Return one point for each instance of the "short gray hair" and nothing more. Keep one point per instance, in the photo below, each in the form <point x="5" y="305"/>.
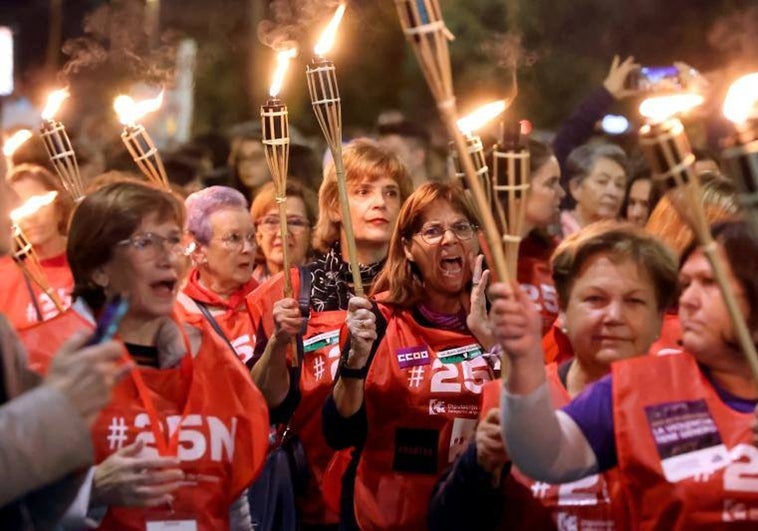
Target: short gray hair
<point x="200" y="205"/>
<point x="582" y="159"/>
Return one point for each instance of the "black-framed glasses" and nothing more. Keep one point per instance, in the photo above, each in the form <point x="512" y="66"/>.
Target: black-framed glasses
<point x="149" y="245"/>
<point x="294" y="223"/>
<point x="434" y="232"/>
<point x="234" y="241"/>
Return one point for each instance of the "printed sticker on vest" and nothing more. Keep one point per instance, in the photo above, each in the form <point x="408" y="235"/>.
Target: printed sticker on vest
<point x="416" y="450"/>
<point x="332" y="337"/>
<point x="459" y="354"/>
<point x="413" y="356"/>
<point x="687" y="439"/>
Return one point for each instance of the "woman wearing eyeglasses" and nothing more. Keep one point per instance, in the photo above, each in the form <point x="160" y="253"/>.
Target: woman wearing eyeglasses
<point x="223" y="254"/>
<point x="407" y="391"/>
<point x="186" y="432"/>
<point x="302" y="211"/>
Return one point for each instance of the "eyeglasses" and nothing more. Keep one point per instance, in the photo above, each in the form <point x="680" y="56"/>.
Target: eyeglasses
<point x="294" y="223"/>
<point x="149" y="245"/>
<point x="433" y="234"/>
<point x="235" y="241"/>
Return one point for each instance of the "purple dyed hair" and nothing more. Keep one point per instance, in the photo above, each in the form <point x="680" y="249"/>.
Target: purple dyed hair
<point x="200" y="205"/>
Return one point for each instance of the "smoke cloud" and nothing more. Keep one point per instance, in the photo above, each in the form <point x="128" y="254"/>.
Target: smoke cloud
<point x="294" y="20"/>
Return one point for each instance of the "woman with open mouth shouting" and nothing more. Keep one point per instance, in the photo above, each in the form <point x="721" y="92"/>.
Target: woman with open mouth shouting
<point x="171" y="445"/>
<point x="407" y="392"/>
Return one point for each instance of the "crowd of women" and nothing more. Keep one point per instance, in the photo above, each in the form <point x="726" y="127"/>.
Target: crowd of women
<point x="228" y="402"/>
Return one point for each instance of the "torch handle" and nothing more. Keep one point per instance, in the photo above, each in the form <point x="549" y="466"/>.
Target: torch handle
<point x="284" y="232"/>
<point x="485" y="213"/>
<point x="347" y="222"/>
<point x="738" y="320"/>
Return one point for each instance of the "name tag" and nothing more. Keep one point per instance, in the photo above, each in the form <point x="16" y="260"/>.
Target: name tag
<point x="172" y="525"/>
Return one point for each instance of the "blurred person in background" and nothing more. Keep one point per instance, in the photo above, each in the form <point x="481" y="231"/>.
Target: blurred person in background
<point x="247" y="160"/>
<point x="24" y="303"/>
<point x="410" y="143"/>
<point x="302" y="213"/>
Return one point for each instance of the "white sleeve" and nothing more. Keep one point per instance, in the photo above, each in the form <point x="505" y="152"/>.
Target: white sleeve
<point x="79" y="515"/>
<point x="545" y="444"/>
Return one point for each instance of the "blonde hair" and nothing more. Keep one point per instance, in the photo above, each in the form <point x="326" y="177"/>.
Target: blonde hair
<point x="399" y="277"/>
<point x="364" y="160"/>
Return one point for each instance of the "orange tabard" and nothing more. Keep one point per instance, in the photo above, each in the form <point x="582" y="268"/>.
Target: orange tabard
<point x="536" y="279"/>
<point x="318" y="367"/>
<point x="422" y="402"/>
<point x="592" y="503"/>
<point x="15" y="300"/>
<point x="686" y="459"/>
<point x="43" y="340"/>
<point x="223" y="438"/>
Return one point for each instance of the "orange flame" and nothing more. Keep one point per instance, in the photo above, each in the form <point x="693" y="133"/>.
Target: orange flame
<point x="32" y="205"/>
<point x="15" y="141"/>
<point x="130" y="111"/>
<point x="481" y="116"/>
<point x="741" y="99"/>
<point x="54" y="101"/>
<point x="326" y="41"/>
<point x="660" y="108"/>
<point x="282" y="62"/>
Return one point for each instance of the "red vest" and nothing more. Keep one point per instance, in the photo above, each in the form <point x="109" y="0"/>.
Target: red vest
<point x="592" y="503"/>
<point x="422" y="402"/>
<point x="16" y="301"/>
<point x="223" y="438"/>
<point x="686" y="459"/>
<point x="536" y="278"/>
<point x="319" y="365"/>
<point x="43" y="340"/>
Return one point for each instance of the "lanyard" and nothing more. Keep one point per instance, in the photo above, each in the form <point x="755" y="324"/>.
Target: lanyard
<point x="168" y="445"/>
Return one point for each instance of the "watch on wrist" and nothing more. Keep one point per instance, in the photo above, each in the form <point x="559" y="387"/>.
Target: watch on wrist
<point x="347" y="372"/>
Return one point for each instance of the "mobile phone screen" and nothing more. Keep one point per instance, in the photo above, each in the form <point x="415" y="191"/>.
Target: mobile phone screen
<point x="107" y="323"/>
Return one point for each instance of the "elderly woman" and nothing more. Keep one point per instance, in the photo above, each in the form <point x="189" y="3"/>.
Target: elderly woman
<point x="20" y="300"/>
<point x="597" y="182"/>
<point x="302" y="212"/>
<point x="406" y="396"/>
<point x="613" y="281"/>
<point x="678" y="427"/>
<point x="377" y="185"/>
<point x="171" y="444"/>
<point x="223" y="254"/>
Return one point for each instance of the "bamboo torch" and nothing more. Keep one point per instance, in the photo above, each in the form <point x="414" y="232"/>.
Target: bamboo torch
<point x="137" y="140"/>
<point x="276" y="142"/>
<point x="12" y="143"/>
<point x="325" y="99"/>
<point x="667" y="149"/>
<point x="58" y="146"/>
<point x="425" y="30"/>
<point x="741" y="153"/>
<point x="510" y="187"/>
<point x="24" y="254"/>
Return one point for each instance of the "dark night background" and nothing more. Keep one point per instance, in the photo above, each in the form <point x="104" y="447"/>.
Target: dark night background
<point x="571" y="43"/>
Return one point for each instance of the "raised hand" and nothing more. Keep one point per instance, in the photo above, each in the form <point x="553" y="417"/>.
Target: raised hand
<point x="361" y="323"/>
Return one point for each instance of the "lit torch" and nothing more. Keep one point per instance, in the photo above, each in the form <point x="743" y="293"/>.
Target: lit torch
<point x="58" y="146"/>
<point x="12" y="143"/>
<point x="741" y="155"/>
<point x="668" y="152"/>
<point x="511" y="185"/>
<point x="137" y="140"/>
<point x="427" y="34"/>
<point x="24" y="254"/>
<point x="276" y="142"/>
<point x="325" y="99"/>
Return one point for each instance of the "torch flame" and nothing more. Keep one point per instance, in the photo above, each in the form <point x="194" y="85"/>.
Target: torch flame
<point x="32" y="205"/>
<point x="661" y="108"/>
<point x="15" y="141"/>
<point x="282" y="62"/>
<point x="481" y="116"/>
<point x="741" y="99"/>
<point x="130" y="111"/>
<point x="54" y="101"/>
<point x="326" y="41"/>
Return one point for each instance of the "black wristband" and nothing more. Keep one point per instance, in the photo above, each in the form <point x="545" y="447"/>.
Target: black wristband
<point x="347" y="372"/>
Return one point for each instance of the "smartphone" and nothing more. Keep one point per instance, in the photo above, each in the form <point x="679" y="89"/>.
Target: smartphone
<point x="655" y="79"/>
<point x="110" y="318"/>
